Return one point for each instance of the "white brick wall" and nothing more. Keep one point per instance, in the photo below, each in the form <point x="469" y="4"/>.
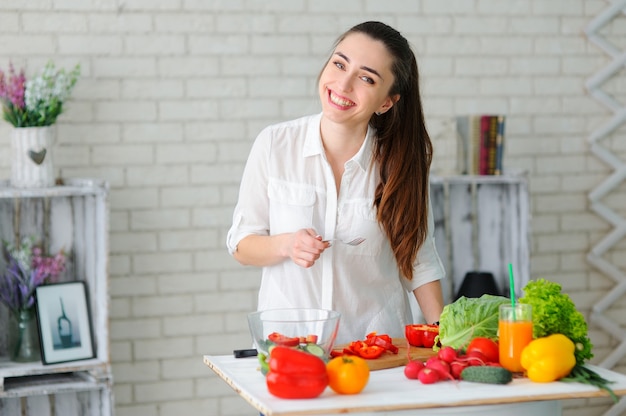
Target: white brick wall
<point x="173" y="93"/>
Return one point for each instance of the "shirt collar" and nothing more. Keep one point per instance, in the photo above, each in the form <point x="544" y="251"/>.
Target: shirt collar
<point x="313" y="143"/>
<point x="313" y="140"/>
<point x="365" y="153"/>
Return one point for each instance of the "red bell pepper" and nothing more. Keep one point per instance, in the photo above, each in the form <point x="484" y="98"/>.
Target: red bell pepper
<point x="421" y="335"/>
<point x="295" y="374"/>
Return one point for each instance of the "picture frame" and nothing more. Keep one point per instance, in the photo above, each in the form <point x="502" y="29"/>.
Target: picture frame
<point x="64" y="321"/>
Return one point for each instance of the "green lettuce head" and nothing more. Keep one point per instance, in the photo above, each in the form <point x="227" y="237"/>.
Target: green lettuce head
<point x="468" y="318"/>
<point x="554" y="312"/>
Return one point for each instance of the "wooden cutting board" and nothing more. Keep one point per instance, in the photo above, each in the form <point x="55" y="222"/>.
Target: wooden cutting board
<point x="389" y="360"/>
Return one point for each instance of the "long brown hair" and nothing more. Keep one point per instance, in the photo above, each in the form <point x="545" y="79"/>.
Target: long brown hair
<point x="403" y="151"/>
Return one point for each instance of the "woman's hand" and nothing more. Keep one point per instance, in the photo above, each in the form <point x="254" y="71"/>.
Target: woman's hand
<point x="305" y="246"/>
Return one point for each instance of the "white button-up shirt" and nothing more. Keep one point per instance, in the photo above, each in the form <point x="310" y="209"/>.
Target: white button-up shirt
<point x="288" y="185"/>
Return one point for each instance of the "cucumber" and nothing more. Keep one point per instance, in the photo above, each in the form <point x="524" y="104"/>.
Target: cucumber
<point x="314" y="349"/>
<point x="487" y="374"/>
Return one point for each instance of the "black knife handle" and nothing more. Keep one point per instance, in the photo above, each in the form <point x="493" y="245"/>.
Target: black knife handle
<point x="245" y="353"/>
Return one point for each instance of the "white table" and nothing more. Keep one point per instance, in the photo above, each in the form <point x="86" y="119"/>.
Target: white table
<point x="389" y="391"/>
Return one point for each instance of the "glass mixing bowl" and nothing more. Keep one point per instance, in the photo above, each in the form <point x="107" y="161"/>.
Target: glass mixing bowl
<point x="314" y="330"/>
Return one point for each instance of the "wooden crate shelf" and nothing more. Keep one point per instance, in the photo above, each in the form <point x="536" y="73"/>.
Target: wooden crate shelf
<point x="73" y="217"/>
<point x="482" y="224"/>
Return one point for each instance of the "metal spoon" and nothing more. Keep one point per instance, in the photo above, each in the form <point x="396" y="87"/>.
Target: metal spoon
<point x="354" y="242"/>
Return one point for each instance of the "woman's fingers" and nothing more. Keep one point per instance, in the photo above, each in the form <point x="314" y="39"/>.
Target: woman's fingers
<point x="307" y="247"/>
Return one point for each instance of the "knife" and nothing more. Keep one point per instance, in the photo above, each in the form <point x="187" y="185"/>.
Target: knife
<point x="245" y="353"/>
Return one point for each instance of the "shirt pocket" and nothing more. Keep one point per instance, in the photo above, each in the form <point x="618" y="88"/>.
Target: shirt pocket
<point x="365" y="224"/>
<point x="291" y="207"/>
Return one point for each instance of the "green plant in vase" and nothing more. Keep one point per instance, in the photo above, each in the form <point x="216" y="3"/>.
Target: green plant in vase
<point x="32" y="106"/>
<point x="27" y="267"/>
<point x="39" y="101"/>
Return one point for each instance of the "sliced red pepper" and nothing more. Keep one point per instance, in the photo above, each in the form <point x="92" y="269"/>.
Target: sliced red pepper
<point x="371" y="352"/>
<point x="348" y="351"/>
<point x="280" y="339"/>
<point x="384" y="337"/>
<point x="337" y="353"/>
<point x="364" y="348"/>
<point x="355" y="346"/>
<point x="383" y="341"/>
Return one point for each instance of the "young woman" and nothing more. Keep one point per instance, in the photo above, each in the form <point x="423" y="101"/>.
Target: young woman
<point x="358" y="169"/>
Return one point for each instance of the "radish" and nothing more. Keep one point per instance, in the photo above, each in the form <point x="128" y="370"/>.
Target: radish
<point x="412" y="369"/>
<point x="456" y="367"/>
<point x="476" y="358"/>
<point x="447" y="354"/>
<point x="494" y="364"/>
<point x="433" y="359"/>
<point x="442" y="367"/>
<point x="428" y="376"/>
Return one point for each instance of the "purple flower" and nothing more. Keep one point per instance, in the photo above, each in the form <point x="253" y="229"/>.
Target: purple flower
<point x="13" y="88"/>
<point x="27" y="268"/>
<point x="3" y="85"/>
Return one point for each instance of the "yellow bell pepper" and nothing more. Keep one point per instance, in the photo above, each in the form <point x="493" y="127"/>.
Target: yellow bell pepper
<point x="549" y="358"/>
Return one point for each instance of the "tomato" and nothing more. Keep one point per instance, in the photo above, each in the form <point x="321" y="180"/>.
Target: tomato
<point x="421" y="335"/>
<point x="285" y="341"/>
<point x="487" y="347"/>
<point x="347" y="374"/>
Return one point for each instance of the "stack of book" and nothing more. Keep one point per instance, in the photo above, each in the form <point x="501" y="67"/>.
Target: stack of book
<point x="482" y="142"/>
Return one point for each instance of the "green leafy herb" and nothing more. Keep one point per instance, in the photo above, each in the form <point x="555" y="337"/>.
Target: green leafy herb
<point x="582" y="374"/>
<point x="555" y="313"/>
<point x="467" y="318"/>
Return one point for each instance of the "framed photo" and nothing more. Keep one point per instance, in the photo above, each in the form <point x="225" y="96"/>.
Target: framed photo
<point x="65" y="332"/>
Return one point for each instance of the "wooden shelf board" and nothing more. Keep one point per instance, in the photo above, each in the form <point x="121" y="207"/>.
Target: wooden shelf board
<point x="51" y="384"/>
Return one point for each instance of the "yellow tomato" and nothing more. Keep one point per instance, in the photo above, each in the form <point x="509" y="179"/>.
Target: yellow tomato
<point x="347" y="374"/>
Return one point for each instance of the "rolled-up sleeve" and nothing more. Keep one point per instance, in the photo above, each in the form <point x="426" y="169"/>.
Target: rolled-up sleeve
<point x="251" y="214"/>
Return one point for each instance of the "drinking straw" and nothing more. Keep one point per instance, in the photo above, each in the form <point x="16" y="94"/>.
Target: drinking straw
<point x="512" y="288"/>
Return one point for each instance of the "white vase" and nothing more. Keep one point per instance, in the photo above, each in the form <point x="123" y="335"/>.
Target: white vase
<point x="31" y="160"/>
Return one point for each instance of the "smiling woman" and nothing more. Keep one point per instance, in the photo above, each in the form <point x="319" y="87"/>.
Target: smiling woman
<point x="358" y="168"/>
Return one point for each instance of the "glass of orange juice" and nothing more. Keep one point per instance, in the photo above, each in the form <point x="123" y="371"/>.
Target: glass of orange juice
<point x="515" y="329"/>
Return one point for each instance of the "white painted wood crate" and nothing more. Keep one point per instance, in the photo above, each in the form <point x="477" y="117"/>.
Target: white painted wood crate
<point x="73" y="217"/>
<point x="482" y="224"/>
